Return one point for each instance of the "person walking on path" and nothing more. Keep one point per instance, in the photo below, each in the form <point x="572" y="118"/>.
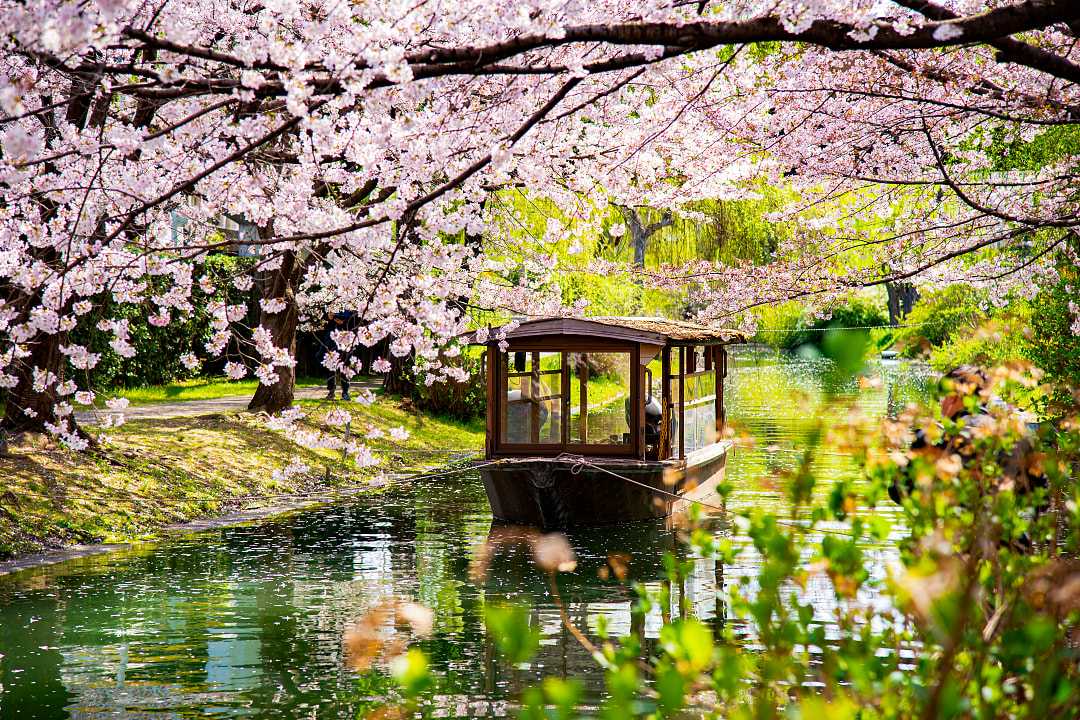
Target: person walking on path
<point x="345" y="320"/>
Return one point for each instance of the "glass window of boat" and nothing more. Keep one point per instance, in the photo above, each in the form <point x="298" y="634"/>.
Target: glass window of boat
<point x="674" y="383"/>
<point x="532" y="413"/>
<point x="599" y="387"/>
<point x="699" y="409"/>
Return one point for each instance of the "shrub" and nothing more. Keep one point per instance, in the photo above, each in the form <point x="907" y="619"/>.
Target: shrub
<point x="977" y="618"/>
<point x="158" y="349"/>
<point x="778" y="324"/>
<point x="996" y="342"/>
<point x="952" y="330"/>
<point x="938" y="317"/>
<point x="787" y="326"/>
<point x="1051" y="343"/>
<point x="459" y="400"/>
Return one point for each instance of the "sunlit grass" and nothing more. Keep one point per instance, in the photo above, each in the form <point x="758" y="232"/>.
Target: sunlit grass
<point x="195" y="389"/>
<point x="151" y="473"/>
<point x="147" y="474"/>
<point x="427" y="433"/>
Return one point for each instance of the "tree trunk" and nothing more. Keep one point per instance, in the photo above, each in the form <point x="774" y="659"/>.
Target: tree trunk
<point x="902" y="298"/>
<point x="282" y="326"/>
<point x="400" y="380"/>
<point x="25" y="409"/>
<point x="638" y="236"/>
<point x="640" y="233"/>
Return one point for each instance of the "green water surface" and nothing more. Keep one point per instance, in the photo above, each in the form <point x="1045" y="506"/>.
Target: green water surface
<point x="249" y="621"/>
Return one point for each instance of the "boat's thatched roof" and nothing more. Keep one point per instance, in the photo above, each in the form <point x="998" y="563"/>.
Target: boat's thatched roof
<point x="678" y="330"/>
<point x="651" y="330"/>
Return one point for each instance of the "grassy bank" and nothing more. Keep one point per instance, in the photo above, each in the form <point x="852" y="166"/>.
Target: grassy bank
<point x="210" y="388"/>
<point x="153" y="473"/>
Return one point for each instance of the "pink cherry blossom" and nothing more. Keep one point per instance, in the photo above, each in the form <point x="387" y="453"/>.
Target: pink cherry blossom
<point x="369" y="156"/>
<point x="235" y="370"/>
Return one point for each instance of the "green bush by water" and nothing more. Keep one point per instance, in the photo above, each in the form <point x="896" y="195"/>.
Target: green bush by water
<point x="158" y="349"/>
<point x="789" y="325"/>
<point x="950" y="328"/>
<point x="938" y="317"/>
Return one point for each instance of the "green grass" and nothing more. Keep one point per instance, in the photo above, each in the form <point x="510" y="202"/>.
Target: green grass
<point x="155" y="472"/>
<point x="196" y="389"/>
<point x="427" y="433"/>
<point x="150" y="473"/>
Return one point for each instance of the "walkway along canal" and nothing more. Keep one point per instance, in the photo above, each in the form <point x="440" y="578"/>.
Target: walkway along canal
<point x="248" y="621"/>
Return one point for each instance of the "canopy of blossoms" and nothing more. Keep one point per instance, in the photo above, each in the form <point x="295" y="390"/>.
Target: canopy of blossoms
<point x="362" y="139"/>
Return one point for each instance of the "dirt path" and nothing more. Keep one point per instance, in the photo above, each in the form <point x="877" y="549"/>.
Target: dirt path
<point x="189" y="408"/>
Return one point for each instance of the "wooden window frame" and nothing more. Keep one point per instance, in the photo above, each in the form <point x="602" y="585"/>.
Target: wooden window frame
<point x="712" y="365"/>
<point x="499" y="380"/>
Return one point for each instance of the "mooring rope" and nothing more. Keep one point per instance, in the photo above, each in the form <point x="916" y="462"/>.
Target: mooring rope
<point x="580" y="462"/>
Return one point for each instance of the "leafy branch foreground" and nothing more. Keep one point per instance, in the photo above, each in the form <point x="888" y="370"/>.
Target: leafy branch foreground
<point x="978" y="620"/>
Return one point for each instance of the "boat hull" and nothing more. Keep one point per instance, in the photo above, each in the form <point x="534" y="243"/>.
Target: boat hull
<point x="565" y="493"/>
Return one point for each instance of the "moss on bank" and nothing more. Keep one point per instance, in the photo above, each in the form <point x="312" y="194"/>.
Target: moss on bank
<point x="153" y="473"/>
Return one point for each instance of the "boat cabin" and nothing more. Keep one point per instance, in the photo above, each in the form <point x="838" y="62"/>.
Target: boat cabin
<point x="619" y="387"/>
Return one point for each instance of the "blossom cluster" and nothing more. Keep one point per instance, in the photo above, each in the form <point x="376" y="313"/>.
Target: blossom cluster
<point x="368" y="143"/>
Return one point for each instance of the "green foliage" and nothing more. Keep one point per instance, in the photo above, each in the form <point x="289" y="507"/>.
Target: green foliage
<point x="1050" y="342"/>
<point x="727" y="231"/>
<point x="1051" y="145"/>
<point x="951" y="329"/>
<point x="534" y="233"/>
<point x="938" y="317"/>
<point x="995" y="342"/>
<point x="158" y="349"/>
<point x="560" y="694"/>
<point x="412" y="672"/>
<point x="847" y="348"/>
<point x="978" y="620"/>
<point x="615" y="295"/>
<point x="458" y="400"/>
<point x="791" y="325"/>
<point x="779" y="324"/>
<point x="517" y="640"/>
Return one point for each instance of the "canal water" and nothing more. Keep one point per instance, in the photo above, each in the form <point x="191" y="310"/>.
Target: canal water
<point x="249" y="621"/>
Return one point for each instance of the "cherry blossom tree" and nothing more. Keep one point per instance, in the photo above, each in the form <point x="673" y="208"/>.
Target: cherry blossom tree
<point x="363" y="140"/>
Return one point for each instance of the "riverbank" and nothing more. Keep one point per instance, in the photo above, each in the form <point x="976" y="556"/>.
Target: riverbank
<point x="154" y="474"/>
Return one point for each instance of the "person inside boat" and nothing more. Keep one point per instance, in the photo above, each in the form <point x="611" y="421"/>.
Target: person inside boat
<point x="654" y="417"/>
<point x="523" y="408"/>
<point x="519" y="413"/>
<point x="962" y="382"/>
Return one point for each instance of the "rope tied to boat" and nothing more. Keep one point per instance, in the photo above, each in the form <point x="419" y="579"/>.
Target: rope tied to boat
<point x="580" y="461"/>
<point x="578" y="465"/>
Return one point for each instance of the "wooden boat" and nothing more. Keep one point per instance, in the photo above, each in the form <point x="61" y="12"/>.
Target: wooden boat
<point x="603" y="420"/>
